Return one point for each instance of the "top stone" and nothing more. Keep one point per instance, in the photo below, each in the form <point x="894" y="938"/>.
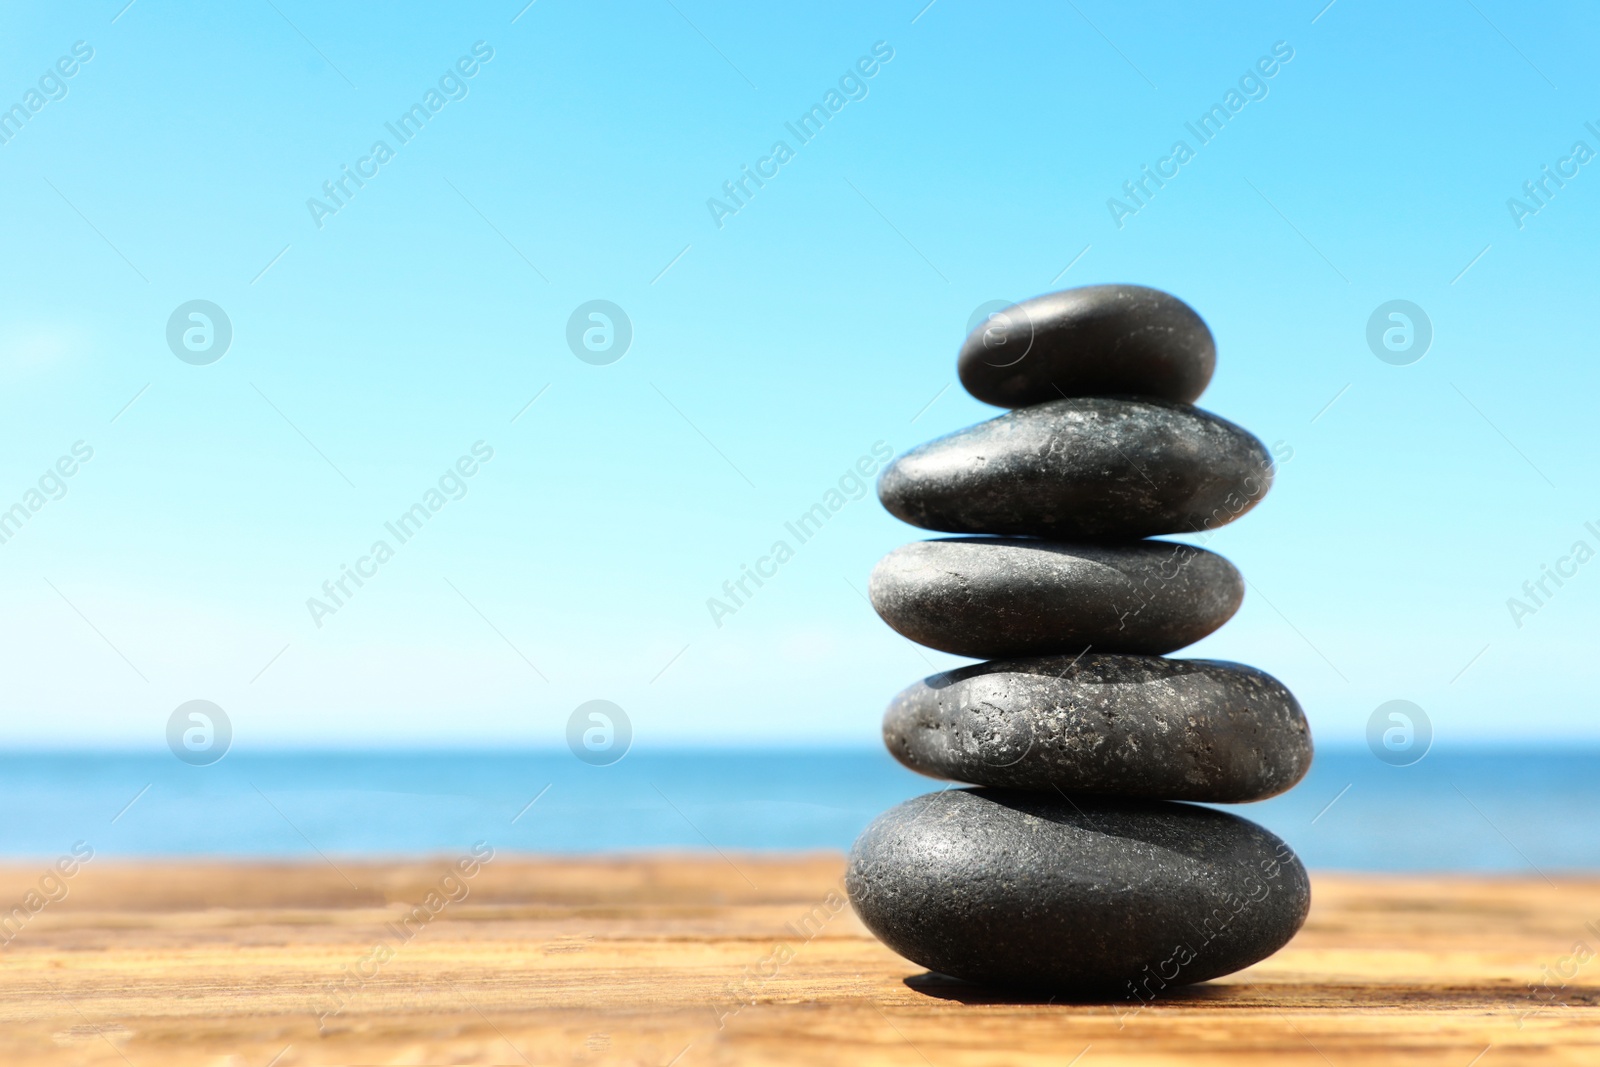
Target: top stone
<point x="1100" y="340"/>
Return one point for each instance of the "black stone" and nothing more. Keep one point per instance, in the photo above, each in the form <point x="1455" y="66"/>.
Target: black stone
<point x="1100" y="340"/>
<point x="1086" y="468"/>
<point x="994" y="597"/>
<point x="1135" y="726"/>
<point x="1086" y="896"/>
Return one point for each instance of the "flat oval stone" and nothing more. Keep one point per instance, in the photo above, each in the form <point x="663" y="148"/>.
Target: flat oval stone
<point x="993" y="597"/>
<point x="1087" y="896"/>
<point x="1086" y="468"/>
<point x="1135" y="726"/>
<point x="1100" y="340"/>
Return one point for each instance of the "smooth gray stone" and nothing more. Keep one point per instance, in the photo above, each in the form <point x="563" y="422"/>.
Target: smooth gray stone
<point x="1090" y="467"/>
<point x="1088" y="896"/>
<point x="993" y="597"/>
<point x="1100" y="340"/>
<point x="1134" y="726"/>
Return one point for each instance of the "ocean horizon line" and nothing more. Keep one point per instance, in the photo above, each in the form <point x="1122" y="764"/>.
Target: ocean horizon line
<point x="1468" y="746"/>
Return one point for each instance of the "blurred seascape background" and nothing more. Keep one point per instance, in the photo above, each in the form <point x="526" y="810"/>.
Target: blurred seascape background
<point x="383" y="334"/>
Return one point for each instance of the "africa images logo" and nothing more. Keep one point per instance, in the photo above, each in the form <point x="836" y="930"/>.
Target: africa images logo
<point x="199" y="733"/>
<point x="199" y="332"/>
<point x="599" y="732"/>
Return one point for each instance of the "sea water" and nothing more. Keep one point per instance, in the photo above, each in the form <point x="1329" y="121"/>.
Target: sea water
<point x="1470" y="810"/>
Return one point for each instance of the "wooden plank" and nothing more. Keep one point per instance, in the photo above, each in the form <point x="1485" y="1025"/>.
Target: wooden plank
<point x="697" y="960"/>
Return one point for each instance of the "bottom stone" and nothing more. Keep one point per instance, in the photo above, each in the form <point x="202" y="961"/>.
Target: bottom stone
<point x="1093" y="896"/>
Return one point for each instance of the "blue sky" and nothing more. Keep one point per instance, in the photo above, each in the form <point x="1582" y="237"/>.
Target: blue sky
<point x="372" y="352"/>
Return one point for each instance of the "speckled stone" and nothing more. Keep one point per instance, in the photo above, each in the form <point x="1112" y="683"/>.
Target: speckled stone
<point x="993" y="597"/>
<point x="1086" y="468"/>
<point x="1100" y="340"/>
<point x="1136" y="726"/>
<point x="1087" y="896"/>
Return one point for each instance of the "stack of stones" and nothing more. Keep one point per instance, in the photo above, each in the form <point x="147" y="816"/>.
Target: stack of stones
<point x="1069" y="867"/>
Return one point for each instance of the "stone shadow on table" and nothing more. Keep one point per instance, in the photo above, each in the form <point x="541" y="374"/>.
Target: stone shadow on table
<point x="944" y="987"/>
<point x="1486" y="996"/>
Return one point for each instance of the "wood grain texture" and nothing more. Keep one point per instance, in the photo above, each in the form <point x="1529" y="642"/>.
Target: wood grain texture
<point x="697" y="961"/>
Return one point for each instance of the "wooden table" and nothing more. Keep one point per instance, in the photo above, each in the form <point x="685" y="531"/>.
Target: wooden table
<point x="707" y="960"/>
